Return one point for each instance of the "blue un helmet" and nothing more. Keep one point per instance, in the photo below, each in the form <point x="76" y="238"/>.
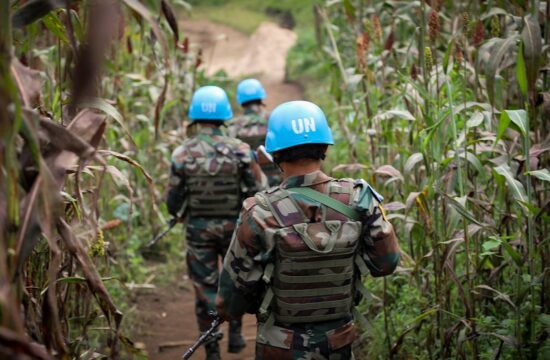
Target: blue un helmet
<point x="296" y="123"/>
<point x="249" y="90"/>
<point x="210" y="103"/>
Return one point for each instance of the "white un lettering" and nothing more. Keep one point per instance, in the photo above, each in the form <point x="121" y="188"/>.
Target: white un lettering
<point x="307" y="124"/>
<point x="208" y="107"/>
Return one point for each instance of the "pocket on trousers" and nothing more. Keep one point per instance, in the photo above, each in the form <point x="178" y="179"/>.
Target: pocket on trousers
<point x="275" y="336"/>
<point x="342" y="336"/>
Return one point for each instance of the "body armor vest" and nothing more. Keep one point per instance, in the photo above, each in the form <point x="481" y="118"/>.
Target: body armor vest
<point x="313" y="276"/>
<point x="213" y="182"/>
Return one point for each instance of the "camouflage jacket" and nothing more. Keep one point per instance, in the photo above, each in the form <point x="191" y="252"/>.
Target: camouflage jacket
<point x="218" y="162"/>
<point x="241" y="285"/>
<point x="250" y="127"/>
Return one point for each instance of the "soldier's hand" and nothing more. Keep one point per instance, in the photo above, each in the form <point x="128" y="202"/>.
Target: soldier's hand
<point x="220" y="308"/>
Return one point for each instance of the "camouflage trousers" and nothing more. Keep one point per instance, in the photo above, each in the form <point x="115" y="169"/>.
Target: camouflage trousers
<point x="305" y="342"/>
<point x="207" y="242"/>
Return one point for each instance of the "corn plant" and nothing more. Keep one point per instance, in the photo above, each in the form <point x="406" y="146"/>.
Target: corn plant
<point x="87" y="89"/>
<point x="443" y="106"/>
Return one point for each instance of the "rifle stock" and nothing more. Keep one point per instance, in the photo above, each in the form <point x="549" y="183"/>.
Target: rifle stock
<point x="202" y="339"/>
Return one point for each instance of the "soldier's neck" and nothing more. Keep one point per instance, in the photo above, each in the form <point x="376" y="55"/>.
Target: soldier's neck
<point x="300" y="167"/>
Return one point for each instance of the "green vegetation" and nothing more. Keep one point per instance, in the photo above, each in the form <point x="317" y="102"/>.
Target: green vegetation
<point x="246" y="15"/>
<point x="442" y="105"/>
<point x="439" y="106"/>
<point x="89" y="93"/>
<point x="234" y="15"/>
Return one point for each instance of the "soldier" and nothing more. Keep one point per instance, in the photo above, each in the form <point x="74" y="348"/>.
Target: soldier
<point x="211" y="174"/>
<point x="300" y="249"/>
<point x="251" y="126"/>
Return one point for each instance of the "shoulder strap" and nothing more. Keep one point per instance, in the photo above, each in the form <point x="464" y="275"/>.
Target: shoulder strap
<point x="327" y="201"/>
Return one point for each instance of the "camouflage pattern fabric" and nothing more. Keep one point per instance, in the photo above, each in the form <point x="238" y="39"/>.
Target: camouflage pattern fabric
<point x="307" y="342"/>
<point x="208" y="237"/>
<point x="251" y="127"/>
<point x="207" y="241"/>
<point x="252" y="249"/>
<point x="214" y="173"/>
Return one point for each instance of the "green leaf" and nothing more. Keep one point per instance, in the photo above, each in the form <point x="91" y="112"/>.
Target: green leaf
<point x="476" y="120"/>
<point x="110" y="110"/>
<point x="402" y="114"/>
<point x="34" y="10"/>
<point x="545" y="320"/>
<point x="513" y="253"/>
<point x="472" y="159"/>
<point x="150" y="18"/>
<point x="447" y="55"/>
<point x="532" y="50"/>
<point x="521" y="72"/>
<point x="412" y="161"/>
<point x="349" y="9"/>
<point x="461" y="209"/>
<point x="543" y="174"/>
<point x="499" y="51"/>
<point x="516" y="187"/>
<point x="424" y="315"/>
<point x="52" y="22"/>
<point x="516" y="117"/>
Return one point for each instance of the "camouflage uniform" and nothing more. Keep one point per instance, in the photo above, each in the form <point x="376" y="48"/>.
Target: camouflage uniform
<point x="277" y="225"/>
<point x="251" y="127"/>
<point x="211" y="174"/>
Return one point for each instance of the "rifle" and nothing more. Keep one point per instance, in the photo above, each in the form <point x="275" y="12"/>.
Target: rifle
<point x="202" y="339"/>
<point x="173" y="222"/>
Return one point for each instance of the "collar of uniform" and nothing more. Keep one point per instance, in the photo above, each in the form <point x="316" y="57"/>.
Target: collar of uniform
<point x="313" y="178"/>
<point x="210" y="131"/>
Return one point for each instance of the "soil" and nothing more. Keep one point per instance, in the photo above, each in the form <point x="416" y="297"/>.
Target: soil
<point x="167" y="324"/>
<point x="261" y="55"/>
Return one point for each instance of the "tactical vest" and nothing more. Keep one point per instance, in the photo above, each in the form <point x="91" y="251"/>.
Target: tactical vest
<point x="315" y="274"/>
<point x="253" y="132"/>
<point x="213" y="182"/>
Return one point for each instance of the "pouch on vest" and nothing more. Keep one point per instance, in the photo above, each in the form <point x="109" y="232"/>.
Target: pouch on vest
<point x="313" y="275"/>
<point x="213" y="183"/>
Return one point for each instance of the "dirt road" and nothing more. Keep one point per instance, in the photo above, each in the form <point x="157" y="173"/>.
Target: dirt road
<point x="167" y="315"/>
<point x="263" y="55"/>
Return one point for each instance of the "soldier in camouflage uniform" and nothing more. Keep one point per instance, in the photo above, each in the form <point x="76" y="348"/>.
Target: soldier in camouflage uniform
<point x="211" y="175"/>
<point x="300" y="249"/>
<point x="251" y="126"/>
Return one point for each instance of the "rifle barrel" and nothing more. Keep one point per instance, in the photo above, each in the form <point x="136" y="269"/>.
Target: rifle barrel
<point x="171" y="224"/>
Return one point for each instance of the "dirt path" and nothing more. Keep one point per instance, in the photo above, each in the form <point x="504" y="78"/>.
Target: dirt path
<point x="263" y="55"/>
<point x="167" y="315"/>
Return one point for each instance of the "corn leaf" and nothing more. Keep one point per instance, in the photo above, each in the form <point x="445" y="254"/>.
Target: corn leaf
<point x="543" y="174"/>
<point x="516" y="187"/>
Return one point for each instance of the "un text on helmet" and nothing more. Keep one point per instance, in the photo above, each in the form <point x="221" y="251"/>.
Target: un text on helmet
<point x="208" y="107"/>
<point x="305" y="124"/>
